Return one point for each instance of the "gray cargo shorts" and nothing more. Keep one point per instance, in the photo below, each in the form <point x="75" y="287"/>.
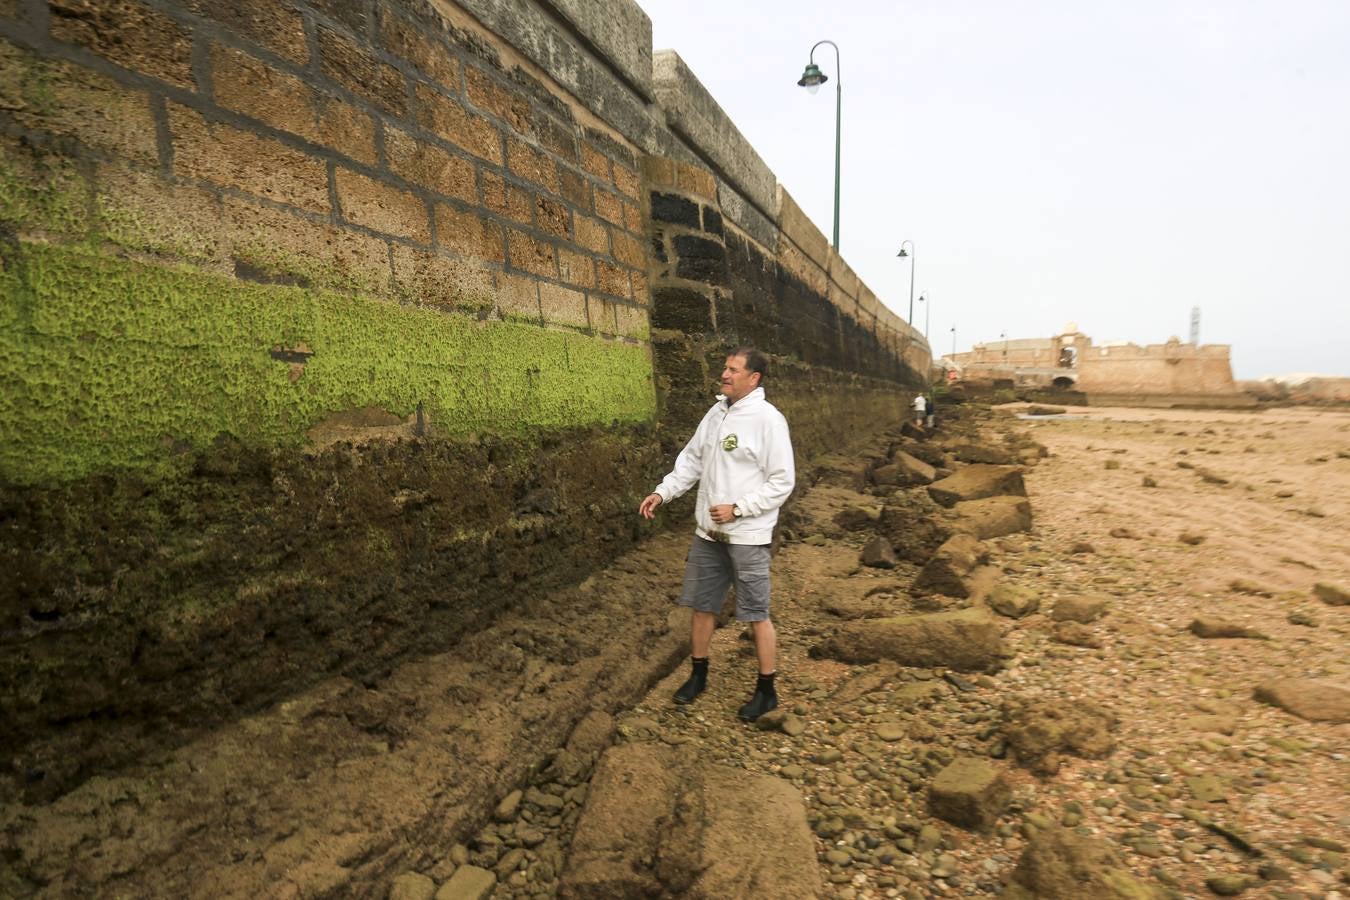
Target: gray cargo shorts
<point x="711" y="569"/>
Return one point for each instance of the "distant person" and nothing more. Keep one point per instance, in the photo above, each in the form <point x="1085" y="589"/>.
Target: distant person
<point x="920" y="406"/>
<point x="741" y="457"/>
<point x="930" y="419"/>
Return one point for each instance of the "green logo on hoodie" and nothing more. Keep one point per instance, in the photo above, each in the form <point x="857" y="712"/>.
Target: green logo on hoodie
<point x="729" y="443"/>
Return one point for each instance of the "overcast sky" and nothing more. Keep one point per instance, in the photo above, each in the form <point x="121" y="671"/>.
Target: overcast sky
<point x="1107" y="163"/>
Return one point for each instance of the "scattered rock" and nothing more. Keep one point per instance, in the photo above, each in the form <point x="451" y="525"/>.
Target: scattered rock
<point x="1208" y="788"/>
<point x="981" y="453"/>
<point x="879" y="554"/>
<point x="1013" y="601"/>
<point x="592" y="734"/>
<point x="993" y="516"/>
<point x="1227" y="885"/>
<point x="1081" y="547"/>
<point x="976" y="482"/>
<point x="1082" y="608"/>
<point x="1207" y="627"/>
<point x="1077" y="634"/>
<point x="1038" y="410"/>
<point x="948" y="569"/>
<point x="1188" y="537"/>
<point x="967" y="640"/>
<point x="509" y="808"/>
<point x="1332" y="594"/>
<point x="858" y="518"/>
<point x="1298" y="617"/>
<point x="1124" y="533"/>
<point x="1060" y="864"/>
<point x="412" y="886"/>
<point x="969" y="793"/>
<point x="891" y="731"/>
<point x="1313" y="699"/>
<point x="1149" y="482"/>
<point x="469" y="883"/>
<point x="1040" y="732"/>
<point x="1112" y="464"/>
<point x="1211" y="723"/>
<point x="1243" y="586"/>
<point x="658" y="823"/>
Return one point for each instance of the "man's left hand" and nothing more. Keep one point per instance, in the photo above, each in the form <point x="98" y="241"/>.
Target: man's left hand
<point x="722" y="513"/>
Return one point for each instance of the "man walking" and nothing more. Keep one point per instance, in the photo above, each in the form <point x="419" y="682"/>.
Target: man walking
<point x="741" y="457"/>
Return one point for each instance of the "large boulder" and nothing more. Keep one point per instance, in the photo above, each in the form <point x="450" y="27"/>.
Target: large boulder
<point x="1314" y="699"/>
<point x="993" y="516"/>
<point x="879" y="554"/>
<point x="1060" y="864"/>
<point x="910" y="522"/>
<point x="1039" y="733"/>
<point x="1082" y="608"/>
<point x="913" y="470"/>
<point x="927" y="452"/>
<point x="969" y="793"/>
<point x="976" y="482"/>
<point x="980" y="453"/>
<point x="947" y="571"/>
<point x="659" y="823"/>
<point x="967" y="640"/>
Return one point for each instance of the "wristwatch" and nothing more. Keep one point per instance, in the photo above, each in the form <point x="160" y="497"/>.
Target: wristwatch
<point x="736" y="510"/>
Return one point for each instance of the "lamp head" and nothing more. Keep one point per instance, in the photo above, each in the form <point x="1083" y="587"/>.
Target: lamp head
<point x="903" y="252"/>
<point x="812" y="78"/>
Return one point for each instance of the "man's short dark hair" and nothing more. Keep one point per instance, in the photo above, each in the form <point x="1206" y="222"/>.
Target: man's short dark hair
<point x="754" y="361"/>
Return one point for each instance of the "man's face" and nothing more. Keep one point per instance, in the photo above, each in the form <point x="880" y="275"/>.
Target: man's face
<point x="737" y="380"/>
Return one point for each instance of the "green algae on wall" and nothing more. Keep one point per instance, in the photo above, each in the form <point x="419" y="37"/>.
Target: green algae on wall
<point x="119" y="362"/>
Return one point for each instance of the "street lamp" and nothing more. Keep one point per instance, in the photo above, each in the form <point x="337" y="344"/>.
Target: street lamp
<point x="953" y="343"/>
<point x="913" y="257"/>
<point x="927" y="312"/>
<point x="812" y="79"/>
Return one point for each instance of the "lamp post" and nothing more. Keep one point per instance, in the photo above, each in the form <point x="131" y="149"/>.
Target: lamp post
<point x="913" y="256"/>
<point x="927" y="312"/>
<point x="812" y="79"/>
<point x="953" y="343"/>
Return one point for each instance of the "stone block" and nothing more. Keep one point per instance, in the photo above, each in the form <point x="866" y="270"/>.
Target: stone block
<point x="632" y="217"/>
<point x="468" y="234"/>
<point x="557" y="138"/>
<point x="1041" y="732"/>
<point x="1059" y="864"/>
<point x="595" y="162"/>
<point x="518" y="297"/>
<point x="468" y="883"/>
<point x="695" y="180"/>
<point x="382" y="207"/>
<point x="1317" y="700"/>
<point x="604" y="314"/>
<point x="531" y="164"/>
<point x="969" y="793"/>
<point x="68" y="100"/>
<point x="674" y="210"/>
<point x="429" y="279"/>
<point x="1013" y="601"/>
<point x="1210" y="627"/>
<point x="1082" y="608"/>
<point x="967" y="640"/>
<point x="266" y="23"/>
<point x="412" y="886"/>
<point x="682" y="310"/>
<point x="801" y="231"/>
<point x="450" y="122"/>
<point x="141" y="211"/>
<point x="993" y="517"/>
<point x="947" y="571"/>
<point x="576" y="268"/>
<point x="362" y="73"/>
<point x="700" y="259"/>
<point x="641" y="292"/>
<point x="430" y="167"/>
<point x="510" y="106"/>
<point x="45" y="192"/>
<point x="976" y="482"/>
<point x="229" y="157"/>
<point x="608" y="206"/>
<point x="553" y="217"/>
<point x="563" y="306"/>
<point x="575" y="189"/>
<point x="127" y="33"/>
<point x="879" y="554"/>
<point x="629" y="250"/>
<point x="591" y="234"/>
<point x="613" y="280"/>
<point x="531" y="254"/>
<point x="506" y="199"/>
<point x="405" y="40"/>
<point x="626" y="180"/>
<point x="657" y="823"/>
<point x="631" y="321"/>
<point x="288" y="249"/>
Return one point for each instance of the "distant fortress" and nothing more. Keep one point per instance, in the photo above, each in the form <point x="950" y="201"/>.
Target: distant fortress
<point x="1170" y="374"/>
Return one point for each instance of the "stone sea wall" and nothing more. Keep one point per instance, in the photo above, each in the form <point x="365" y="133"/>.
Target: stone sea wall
<point x="331" y="330"/>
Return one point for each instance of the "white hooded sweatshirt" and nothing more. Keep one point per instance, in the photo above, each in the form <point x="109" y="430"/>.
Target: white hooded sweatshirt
<point x="740" y="454"/>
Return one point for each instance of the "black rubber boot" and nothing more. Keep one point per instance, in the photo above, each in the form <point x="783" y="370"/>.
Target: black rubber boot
<point x="765" y="699"/>
<point x="697" y="683"/>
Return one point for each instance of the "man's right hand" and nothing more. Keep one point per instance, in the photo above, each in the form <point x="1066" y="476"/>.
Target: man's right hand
<point x="649" y="505"/>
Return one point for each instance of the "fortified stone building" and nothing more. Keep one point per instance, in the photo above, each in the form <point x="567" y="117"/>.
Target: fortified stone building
<point x="1113" y="373"/>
